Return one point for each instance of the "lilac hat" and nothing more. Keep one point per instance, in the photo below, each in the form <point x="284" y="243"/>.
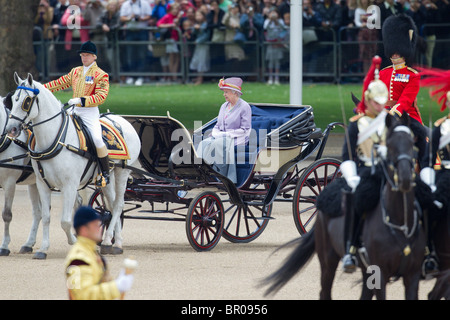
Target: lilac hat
<point x="231" y="84"/>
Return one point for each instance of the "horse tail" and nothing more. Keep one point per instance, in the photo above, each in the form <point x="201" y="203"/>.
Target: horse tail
<point x="293" y="263"/>
<point x="442" y="287"/>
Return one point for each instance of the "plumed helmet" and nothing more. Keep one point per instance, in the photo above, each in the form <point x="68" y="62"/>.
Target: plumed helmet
<point x="377" y="91"/>
<point x="400" y="36"/>
<point x="373" y="88"/>
<point x="88" y="47"/>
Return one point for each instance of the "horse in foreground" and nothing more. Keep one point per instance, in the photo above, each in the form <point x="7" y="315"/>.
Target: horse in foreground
<point x="57" y="159"/>
<point x="392" y="234"/>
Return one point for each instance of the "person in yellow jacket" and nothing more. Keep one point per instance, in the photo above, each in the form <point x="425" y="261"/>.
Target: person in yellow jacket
<point x="86" y="270"/>
<point x="90" y="86"/>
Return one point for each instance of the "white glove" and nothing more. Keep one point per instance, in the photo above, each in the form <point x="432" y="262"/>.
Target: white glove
<point x="428" y="175"/>
<point x="124" y="281"/>
<point x="74" y="101"/>
<point x="381" y="151"/>
<point x="219" y="134"/>
<point x="348" y="170"/>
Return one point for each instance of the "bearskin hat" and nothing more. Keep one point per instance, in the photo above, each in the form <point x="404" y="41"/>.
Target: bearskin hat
<point x="400" y="36"/>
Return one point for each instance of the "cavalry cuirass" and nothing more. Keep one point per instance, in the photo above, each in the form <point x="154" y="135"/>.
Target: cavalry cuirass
<point x="443" y="149"/>
<point x="372" y="131"/>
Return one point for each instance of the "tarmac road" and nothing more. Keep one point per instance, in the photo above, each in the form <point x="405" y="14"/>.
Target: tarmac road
<point x="169" y="268"/>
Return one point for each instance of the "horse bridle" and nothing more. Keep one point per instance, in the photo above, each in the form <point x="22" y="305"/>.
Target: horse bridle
<point x="26" y="104"/>
<point x="394" y="185"/>
<point x="392" y="165"/>
<point x="26" y="107"/>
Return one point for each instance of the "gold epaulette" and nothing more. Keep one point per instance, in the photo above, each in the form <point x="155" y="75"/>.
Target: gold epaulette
<point x="357" y="117"/>
<point x="387" y="67"/>
<point x="413" y="70"/>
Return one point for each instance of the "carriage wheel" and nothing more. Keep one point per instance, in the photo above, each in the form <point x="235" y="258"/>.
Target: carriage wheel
<point x="204" y="221"/>
<point x="312" y="181"/>
<point x="245" y="223"/>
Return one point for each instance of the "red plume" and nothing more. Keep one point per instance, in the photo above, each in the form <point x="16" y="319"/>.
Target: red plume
<point x="372" y="74"/>
<point x="439" y="81"/>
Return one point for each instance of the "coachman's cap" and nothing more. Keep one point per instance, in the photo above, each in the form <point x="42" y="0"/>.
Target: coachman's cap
<point x="84" y="215"/>
<point x="234" y="84"/>
<point x="400" y="36"/>
<point x="88" y="47"/>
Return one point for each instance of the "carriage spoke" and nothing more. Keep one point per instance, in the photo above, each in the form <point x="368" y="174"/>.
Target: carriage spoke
<point x="316" y="177"/>
<point x="307" y="209"/>
<point x="204" y="222"/>
<point x="232" y="217"/>
<point x="312" y="182"/>
<point x="307" y="199"/>
<point x="313" y="215"/>
<point x="311" y="188"/>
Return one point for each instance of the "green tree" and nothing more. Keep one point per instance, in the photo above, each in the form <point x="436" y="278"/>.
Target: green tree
<point x="16" y="49"/>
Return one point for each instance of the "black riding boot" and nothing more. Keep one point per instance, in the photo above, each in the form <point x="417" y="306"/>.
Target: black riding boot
<point x="430" y="266"/>
<point x="104" y="168"/>
<point x="349" y="261"/>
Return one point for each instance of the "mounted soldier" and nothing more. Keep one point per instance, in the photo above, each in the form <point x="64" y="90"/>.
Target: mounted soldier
<point x="437" y="174"/>
<point x="362" y="150"/>
<point x="403" y="82"/>
<point x="90" y="86"/>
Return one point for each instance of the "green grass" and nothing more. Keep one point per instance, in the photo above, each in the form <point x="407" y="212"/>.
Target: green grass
<point x="189" y="103"/>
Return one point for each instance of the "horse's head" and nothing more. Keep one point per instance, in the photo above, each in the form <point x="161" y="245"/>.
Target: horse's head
<point x="22" y="102"/>
<point x="400" y="159"/>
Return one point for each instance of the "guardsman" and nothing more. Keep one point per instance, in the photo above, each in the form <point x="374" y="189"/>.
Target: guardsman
<point x="86" y="270"/>
<point x="403" y="82"/>
<point x="366" y="132"/>
<point x="90" y="86"/>
<point x="439" y="81"/>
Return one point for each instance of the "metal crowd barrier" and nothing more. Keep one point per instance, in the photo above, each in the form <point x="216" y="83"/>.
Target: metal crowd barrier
<point x="327" y="55"/>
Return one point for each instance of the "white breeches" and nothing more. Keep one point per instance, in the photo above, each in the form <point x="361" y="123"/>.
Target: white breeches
<point x="90" y="117"/>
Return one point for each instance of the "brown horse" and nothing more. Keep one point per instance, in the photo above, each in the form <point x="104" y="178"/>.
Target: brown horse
<point x="392" y="233"/>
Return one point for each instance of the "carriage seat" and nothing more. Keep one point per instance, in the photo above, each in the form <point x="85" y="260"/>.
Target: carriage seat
<point x="268" y="119"/>
<point x="261" y="126"/>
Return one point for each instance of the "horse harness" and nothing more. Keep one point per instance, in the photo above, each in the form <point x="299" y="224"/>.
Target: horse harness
<point x="407" y="232"/>
<point x="57" y="145"/>
<point x="5" y="142"/>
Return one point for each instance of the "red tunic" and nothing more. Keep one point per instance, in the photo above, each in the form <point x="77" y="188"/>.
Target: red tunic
<point x="403" y="85"/>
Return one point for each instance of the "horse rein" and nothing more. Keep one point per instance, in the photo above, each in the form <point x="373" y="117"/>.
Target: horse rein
<point x="394" y="187"/>
<point x="56" y="147"/>
<point x="393" y="164"/>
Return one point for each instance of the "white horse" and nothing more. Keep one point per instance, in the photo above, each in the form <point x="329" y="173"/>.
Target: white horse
<point x="63" y="169"/>
<point x="10" y="173"/>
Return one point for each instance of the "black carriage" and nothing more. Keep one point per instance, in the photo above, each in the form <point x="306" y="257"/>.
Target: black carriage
<point x="269" y="169"/>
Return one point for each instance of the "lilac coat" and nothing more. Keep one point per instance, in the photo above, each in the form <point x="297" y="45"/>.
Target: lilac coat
<point x="236" y="124"/>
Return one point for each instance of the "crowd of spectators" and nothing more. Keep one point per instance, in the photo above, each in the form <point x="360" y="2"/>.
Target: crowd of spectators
<point x="227" y="22"/>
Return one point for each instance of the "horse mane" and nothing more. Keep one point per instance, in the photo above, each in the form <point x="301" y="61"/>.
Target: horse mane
<point x="393" y="122"/>
<point x="43" y="89"/>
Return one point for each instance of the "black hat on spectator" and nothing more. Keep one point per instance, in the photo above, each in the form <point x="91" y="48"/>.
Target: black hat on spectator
<point x="400" y="36"/>
<point x="88" y="47"/>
